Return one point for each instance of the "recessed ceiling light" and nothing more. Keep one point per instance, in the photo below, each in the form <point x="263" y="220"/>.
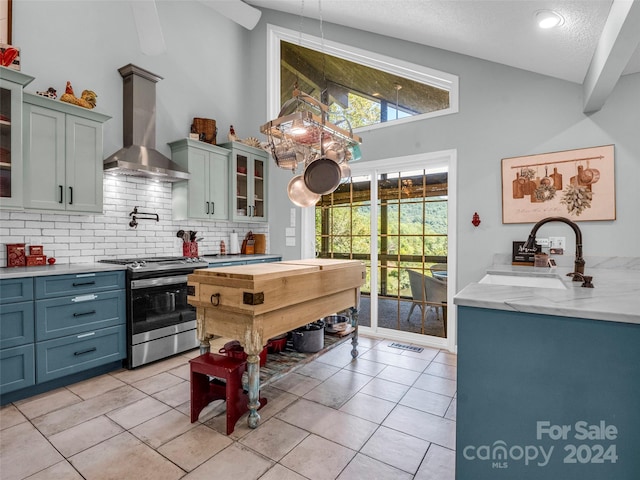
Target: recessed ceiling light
<point x="549" y="19"/>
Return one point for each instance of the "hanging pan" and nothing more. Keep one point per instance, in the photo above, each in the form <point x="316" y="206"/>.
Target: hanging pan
<point x="299" y="194"/>
<point x="322" y="176"/>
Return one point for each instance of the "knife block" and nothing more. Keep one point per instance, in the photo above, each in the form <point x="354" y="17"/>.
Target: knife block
<point x="190" y="249"/>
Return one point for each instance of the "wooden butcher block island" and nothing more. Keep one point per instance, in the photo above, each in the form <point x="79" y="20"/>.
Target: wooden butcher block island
<point x="252" y="303"/>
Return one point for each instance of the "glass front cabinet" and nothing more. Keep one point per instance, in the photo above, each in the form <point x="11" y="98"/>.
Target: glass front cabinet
<point x="248" y="194"/>
<point x="11" y="85"/>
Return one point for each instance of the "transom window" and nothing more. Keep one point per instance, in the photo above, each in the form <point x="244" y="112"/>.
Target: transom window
<point x="367" y="89"/>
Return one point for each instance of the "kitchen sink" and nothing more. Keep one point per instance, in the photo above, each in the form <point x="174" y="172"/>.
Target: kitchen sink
<point x="523" y="281"/>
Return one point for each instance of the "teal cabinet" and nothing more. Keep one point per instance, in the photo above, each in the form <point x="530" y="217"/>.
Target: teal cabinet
<point x="17" y="359"/>
<point x="77" y="284"/>
<point x="17" y="368"/>
<point x="544" y="396"/>
<point x="58" y="317"/>
<point x="248" y="183"/>
<point x="71" y="354"/>
<point x="11" y="85"/>
<point x="55" y="326"/>
<point x="62" y="156"/>
<point x="205" y="195"/>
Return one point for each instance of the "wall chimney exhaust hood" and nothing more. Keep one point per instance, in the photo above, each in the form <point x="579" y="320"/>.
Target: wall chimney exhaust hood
<point x="138" y="157"/>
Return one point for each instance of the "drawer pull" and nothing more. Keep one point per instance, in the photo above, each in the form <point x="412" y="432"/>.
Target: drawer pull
<point x="86" y="335"/>
<point x="84" y="313"/>
<point x="82" y="284"/>
<point x="85" y="351"/>
<point x="84" y="298"/>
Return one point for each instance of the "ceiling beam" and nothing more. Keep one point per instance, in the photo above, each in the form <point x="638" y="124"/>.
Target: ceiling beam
<point x="619" y="40"/>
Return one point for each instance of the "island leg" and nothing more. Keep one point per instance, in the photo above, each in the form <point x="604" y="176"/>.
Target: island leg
<point x="353" y="313"/>
<point x="205" y="346"/>
<point x="253" y="371"/>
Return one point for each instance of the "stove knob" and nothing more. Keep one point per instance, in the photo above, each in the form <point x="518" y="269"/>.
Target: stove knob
<point x="135" y="265"/>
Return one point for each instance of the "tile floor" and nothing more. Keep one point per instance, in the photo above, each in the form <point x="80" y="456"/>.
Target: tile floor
<point x="389" y="414"/>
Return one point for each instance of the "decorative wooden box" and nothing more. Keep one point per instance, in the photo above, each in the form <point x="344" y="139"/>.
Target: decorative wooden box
<point x="16" y="255"/>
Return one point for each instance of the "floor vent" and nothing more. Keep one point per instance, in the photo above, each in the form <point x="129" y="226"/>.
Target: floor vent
<point x="402" y="346"/>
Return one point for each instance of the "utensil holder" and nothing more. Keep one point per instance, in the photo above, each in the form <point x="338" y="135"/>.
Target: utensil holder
<point x="190" y="249"/>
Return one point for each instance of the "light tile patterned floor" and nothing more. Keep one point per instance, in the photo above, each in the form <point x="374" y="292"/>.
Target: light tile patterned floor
<point x="388" y="414"/>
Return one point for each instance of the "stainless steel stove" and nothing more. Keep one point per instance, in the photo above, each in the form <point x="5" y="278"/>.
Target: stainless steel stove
<point x="160" y="322"/>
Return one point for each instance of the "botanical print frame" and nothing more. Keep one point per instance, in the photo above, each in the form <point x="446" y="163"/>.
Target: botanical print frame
<point x="575" y="184"/>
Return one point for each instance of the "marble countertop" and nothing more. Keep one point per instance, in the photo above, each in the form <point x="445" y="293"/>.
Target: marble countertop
<point x="615" y="296"/>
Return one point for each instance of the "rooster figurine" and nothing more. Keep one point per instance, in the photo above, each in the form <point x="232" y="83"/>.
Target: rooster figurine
<point x="87" y="100"/>
<point x="232" y="135"/>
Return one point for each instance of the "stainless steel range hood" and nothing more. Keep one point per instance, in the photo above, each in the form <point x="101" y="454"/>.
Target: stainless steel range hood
<point x="139" y="157"/>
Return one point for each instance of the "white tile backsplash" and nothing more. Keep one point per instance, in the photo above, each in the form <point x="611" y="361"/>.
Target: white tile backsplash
<point x="88" y="238"/>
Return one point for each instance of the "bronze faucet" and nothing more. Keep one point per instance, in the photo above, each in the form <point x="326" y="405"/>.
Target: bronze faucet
<point x="578" y="273"/>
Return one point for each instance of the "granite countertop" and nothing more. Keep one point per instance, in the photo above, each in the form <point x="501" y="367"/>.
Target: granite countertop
<point x="615" y="296"/>
<point x="57" y="269"/>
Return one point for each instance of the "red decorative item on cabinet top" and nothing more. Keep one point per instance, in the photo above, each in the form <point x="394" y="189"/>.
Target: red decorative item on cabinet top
<point x="476" y="219"/>
<point x="16" y="256"/>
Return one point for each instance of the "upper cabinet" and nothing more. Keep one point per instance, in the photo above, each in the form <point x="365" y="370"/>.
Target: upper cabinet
<point x="62" y="156"/>
<point x="205" y="195"/>
<point x="11" y="84"/>
<point x="248" y="185"/>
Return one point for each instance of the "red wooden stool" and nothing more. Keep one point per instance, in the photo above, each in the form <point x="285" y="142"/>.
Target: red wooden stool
<point x="205" y="390"/>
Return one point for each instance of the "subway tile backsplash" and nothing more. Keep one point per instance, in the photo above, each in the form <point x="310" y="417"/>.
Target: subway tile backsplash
<point x="91" y="237"/>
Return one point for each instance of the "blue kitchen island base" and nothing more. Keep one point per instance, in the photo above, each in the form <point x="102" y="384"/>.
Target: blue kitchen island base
<point x="546" y="397"/>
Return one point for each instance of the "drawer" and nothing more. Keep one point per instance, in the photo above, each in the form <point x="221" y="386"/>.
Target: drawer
<point x="59" y="317"/>
<point x="64" y="356"/>
<point x="16" y="324"/>
<point x="16" y="290"/>
<point x="17" y="368"/>
<point x="62" y="285"/>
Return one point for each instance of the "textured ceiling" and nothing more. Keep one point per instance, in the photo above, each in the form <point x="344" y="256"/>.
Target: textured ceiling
<point x="502" y="31"/>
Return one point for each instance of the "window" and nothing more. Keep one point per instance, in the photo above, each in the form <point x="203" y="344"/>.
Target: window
<point x="368" y="89"/>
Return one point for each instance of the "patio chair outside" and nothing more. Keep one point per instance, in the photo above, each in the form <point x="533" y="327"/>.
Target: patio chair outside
<point x="428" y="292"/>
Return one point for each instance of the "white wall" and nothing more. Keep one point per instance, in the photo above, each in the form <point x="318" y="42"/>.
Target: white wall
<point x="504" y="112"/>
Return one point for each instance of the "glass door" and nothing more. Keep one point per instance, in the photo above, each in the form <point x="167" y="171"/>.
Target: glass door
<point x="406" y="256"/>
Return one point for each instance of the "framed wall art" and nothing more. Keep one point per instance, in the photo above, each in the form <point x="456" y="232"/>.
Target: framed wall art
<point x="5" y="21"/>
<point x="576" y="184"/>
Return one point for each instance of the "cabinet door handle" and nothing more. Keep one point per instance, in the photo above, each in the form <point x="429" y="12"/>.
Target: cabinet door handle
<point x="82" y="352"/>
<point x="207" y="208"/>
<point x="213" y="208"/>
<point x="82" y="284"/>
<point x="84" y="313"/>
<point x="61" y="193"/>
<point x="70" y="195"/>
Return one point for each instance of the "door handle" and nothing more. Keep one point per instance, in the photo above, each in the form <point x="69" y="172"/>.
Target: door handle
<point x="70" y="195"/>
<point x="213" y="208"/>
<point x="207" y="207"/>
<point x="81" y="284"/>
<point x="61" y="193"/>
<point x="84" y="313"/>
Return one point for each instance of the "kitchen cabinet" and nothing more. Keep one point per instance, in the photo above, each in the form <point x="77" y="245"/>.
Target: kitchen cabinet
<point x="62" y="156"/>
<point x="55" y="329"/>
<point x="17" y="357"/>
<point x="248" y="183"/>
<point x="205" y="195"/>
<point x="80" y="322"/>
<point x="11" y="85"/>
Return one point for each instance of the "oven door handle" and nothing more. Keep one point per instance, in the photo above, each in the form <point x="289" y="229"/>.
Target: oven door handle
<point x="158" y="282"/>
